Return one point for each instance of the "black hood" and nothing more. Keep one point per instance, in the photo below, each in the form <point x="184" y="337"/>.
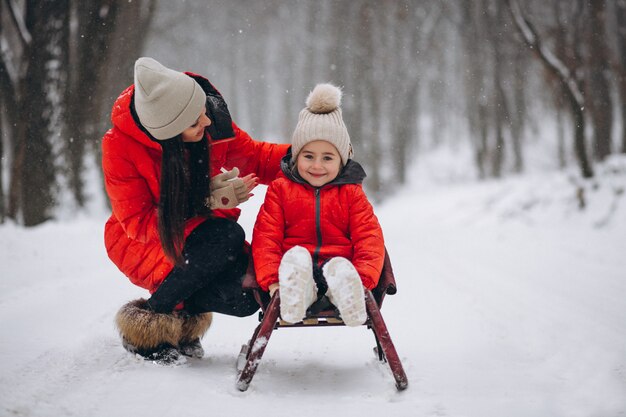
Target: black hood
<point x="216" y="109"/>
<point x="352" y="172"/>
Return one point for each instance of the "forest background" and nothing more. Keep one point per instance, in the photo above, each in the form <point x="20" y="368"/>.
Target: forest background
<point x="506" y="86"/>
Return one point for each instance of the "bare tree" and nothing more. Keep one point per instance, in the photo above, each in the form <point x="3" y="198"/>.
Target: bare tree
<point x="369" y="102"/>
<point x="55" y="70"/>
<point x="37" y="87"/>
<point x="620" y="63"/>
<point x="413" y="34"/>
<point x="501" y="114"/>
<point x="477" y="110"/>
<point x="598" y="92"/>
<point x="558" y="69"/>
<point x="407" y="69"/>
<point x="108" y="37"/>
<point x="519" y="114"/>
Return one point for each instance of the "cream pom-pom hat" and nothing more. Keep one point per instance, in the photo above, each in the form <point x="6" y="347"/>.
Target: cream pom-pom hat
<point x="321" y="119"/>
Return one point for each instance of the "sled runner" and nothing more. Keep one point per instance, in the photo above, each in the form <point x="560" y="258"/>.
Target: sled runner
<point x="321" y="313"/>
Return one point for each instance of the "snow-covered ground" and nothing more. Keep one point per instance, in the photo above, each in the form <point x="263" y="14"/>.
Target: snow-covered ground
<point x="511" y="303"/>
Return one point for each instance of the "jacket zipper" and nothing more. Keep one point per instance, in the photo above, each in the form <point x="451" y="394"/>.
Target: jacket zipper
<point x="318" y="227"/>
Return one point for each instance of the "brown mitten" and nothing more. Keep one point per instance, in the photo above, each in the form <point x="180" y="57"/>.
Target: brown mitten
<point x="222" y="180"/>
<point x="227" y="190"/>
<point x="223" y="198"/>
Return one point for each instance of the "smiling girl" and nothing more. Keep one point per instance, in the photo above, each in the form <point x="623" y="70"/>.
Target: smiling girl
<point x="316" y="233"/>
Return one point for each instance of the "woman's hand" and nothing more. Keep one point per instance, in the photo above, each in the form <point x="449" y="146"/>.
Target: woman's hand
<point x="228" y="190"/>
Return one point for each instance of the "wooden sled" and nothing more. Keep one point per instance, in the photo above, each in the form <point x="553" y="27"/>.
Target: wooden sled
<point x="321" y="313"/>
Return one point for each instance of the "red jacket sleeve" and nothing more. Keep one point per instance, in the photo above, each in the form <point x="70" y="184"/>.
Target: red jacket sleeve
<point x="131" y="200"/>
<point x="251" y="156"/>
<point x="367" y="238"/>
<point x="267" y="238"/>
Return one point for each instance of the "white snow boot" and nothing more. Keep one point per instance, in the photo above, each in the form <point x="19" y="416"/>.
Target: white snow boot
<point x="345" y="290"/>
<point x="297" y="288"/>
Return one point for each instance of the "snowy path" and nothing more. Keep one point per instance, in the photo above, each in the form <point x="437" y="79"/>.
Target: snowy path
<point x="492" y="318"/>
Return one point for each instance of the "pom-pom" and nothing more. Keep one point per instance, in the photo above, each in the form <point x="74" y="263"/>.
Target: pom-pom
<point x="324" y="98"/>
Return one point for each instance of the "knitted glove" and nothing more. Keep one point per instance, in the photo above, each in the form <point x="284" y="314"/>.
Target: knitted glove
<point x="228" y="190"/>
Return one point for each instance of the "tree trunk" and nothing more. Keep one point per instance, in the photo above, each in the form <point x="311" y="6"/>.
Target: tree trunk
<point x="598" y="92"/>
<point x="371" y="96"/>
<point x="501" y="112"/>
<point x="9" y="111"/>
<point x="96" y="22"/>
<point x="477" y="112"/>
<point x="40" y="100"/>
<point x="110" y="35"/>
<point x="405" y="113"/>
<point x="2" y="198"/>
<point x="621" y="64"/>
<point x="519" y="114"/>
<point x="560" y="137"/>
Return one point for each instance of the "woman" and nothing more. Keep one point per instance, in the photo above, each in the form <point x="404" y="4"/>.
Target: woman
<point x="173" y="229"/>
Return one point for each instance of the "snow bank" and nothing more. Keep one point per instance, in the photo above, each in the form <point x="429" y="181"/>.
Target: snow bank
<point x="510" y="303"/>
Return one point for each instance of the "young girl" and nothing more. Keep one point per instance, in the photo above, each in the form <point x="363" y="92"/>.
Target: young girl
<point x="316" y="232"/>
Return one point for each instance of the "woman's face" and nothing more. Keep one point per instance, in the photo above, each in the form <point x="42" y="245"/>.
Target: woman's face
<point x="318" y="162"/>
<point x="195" y="132"/>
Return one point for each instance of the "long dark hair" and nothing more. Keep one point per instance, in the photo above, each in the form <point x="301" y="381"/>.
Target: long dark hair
<point x="184" y="190"/>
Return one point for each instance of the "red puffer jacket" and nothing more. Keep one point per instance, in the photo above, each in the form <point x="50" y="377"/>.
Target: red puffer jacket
<point x="131" y="162"/>
<point x="333" y="220"/>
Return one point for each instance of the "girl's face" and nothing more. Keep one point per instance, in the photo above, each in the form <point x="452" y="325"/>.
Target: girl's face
<point x="318" y="162"/>
<point x="195" y="132"/>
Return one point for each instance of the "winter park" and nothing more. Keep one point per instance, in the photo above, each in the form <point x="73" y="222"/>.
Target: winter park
<point x="481" y="145"/>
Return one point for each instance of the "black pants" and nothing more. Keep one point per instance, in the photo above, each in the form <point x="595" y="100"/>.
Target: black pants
<point x="211" y="279"/>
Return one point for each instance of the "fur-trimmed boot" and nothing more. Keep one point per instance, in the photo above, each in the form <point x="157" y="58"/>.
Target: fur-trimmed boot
<point x="154" y="336"/>
<point x="194" y="327"/>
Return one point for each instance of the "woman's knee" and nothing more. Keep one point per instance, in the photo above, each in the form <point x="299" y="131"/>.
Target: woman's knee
<point x="223" y="231"/>
<point x="246" y="306"/>
<point x="215" y="235"/>
<point x="233" y="234"/>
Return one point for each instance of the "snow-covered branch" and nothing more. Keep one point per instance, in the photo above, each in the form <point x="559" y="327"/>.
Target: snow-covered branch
<point x="531" y="38"/>
<point x="18" y="20"/>
<point x="6" y="61"/>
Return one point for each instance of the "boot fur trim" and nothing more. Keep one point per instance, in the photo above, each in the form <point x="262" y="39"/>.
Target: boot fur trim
<point x="144" y="329"/>
<point x="195" y="326"/>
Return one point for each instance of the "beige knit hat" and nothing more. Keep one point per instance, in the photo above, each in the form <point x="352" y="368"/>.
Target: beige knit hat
<point x="167" y="101"/>
<point x="321" y="120"/>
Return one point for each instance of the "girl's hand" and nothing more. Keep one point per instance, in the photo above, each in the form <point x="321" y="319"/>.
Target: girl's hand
<point x="273" y="288"/>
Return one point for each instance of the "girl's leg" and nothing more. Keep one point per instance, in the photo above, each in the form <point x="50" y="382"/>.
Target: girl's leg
<point x="213" y="251"/>
<point x="345" y="290"/>
<point x="297" y="288"/>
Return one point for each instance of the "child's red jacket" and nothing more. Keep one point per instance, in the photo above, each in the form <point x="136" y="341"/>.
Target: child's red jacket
<point x="334" y="220"/>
